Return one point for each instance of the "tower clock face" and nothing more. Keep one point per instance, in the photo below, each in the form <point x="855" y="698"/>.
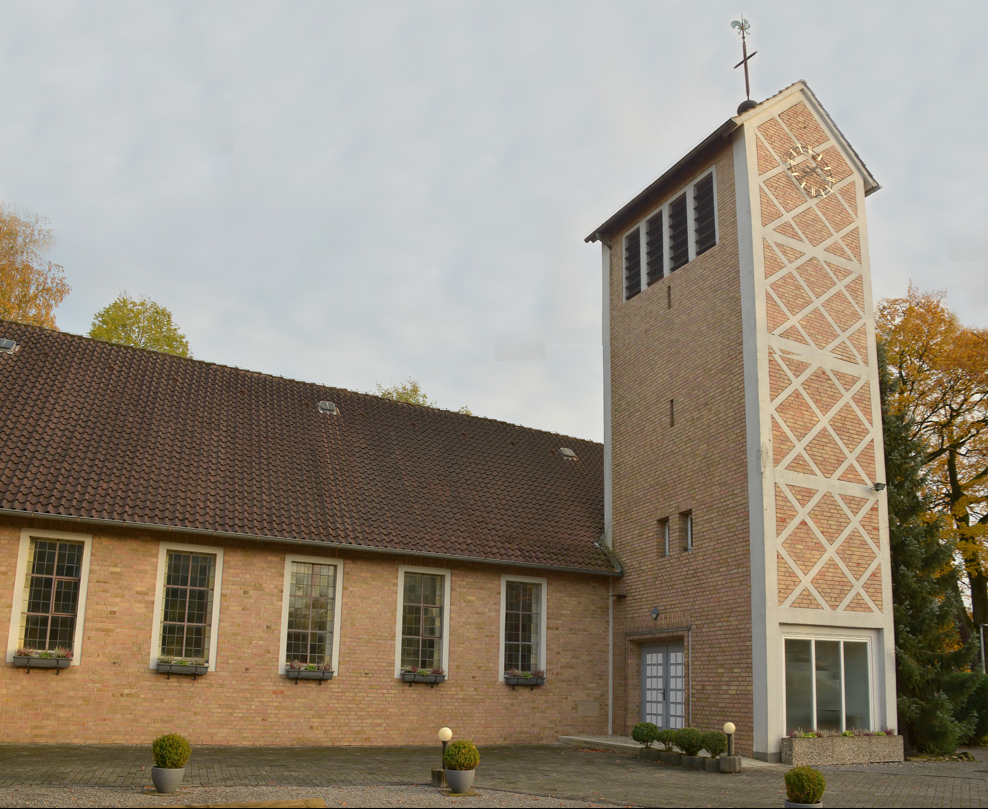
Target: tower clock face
<point x="810" y="171"/>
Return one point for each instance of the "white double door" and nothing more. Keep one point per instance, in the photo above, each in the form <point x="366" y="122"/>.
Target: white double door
<point x="663" y="697"/>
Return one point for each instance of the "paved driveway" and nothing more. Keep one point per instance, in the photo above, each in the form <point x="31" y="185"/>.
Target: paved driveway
<point x="544" y="770"/>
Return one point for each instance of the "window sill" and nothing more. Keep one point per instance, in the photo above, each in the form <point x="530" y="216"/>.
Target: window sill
<point x="411" y="677"/>
<point x="177" y="668"/>
<point x="57" y="663"/>
<point x="300" y="674"/>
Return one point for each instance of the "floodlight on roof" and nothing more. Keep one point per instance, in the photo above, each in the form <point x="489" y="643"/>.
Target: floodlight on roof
<point x="328" y="407"/>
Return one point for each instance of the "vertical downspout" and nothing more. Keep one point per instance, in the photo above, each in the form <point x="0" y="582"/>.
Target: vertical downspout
<point x="610" y="657"/>
<point x="689" y="673"/>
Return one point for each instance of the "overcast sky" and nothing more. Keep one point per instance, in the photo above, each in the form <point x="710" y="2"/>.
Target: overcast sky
<point x="352" y="193"/>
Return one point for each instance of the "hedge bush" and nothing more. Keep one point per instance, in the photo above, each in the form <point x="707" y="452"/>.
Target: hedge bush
<point x="667" y="738"/>
<point x="461" y="755"/>
<point x="171" y="751"/>
<point x="689" y="740"/>
<point x="805" y="785"/>
<point x="715" y="743"/>
<point x="645" y="733"/>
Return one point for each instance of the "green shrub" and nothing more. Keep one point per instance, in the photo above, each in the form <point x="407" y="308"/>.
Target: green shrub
<point x="667" y="738"/>
<point x="645" y="733"/>
<point x="715" y="743"/>
<point x="689" y="740"/>
<point x="171" y="751"/>
<point x="805" y="785"/>
<point x="461" y="755"/>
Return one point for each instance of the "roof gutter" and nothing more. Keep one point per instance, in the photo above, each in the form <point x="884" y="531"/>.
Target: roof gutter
<point x="306" y="542"/>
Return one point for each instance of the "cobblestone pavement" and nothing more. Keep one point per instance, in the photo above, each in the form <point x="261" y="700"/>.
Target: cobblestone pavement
<point x="544" y="770"/>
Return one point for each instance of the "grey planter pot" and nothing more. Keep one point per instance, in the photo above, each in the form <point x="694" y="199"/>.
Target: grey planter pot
<point x="793" y="805"/>
<point x="687" y="761"/>
<point x="711" y="764"/>
<point x="648" y="754"/>
<point x="411" y="677"/>
<point x="730" y="764"/>
<point x="318" y="676"/>
<point x="676" y="759"/>
<point x="529" y="681"/>
<point x="460" y="781"/>
<point x="174" y="668"/>
<point x="57" y="663"/>
<point x="167" y="780"/>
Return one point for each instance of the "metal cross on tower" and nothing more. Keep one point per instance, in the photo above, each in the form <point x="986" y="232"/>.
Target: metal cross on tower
<point x="743" y="27"/>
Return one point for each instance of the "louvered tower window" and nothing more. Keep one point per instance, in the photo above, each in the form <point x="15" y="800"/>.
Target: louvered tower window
<point x="703" y="213"/>
<point x="653" y="248"/>
<point x="632" y="264"/>
<point x="679" y="235"/>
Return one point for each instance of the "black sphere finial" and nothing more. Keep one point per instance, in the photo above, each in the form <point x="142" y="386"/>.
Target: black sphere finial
<point x="746" y="105"/>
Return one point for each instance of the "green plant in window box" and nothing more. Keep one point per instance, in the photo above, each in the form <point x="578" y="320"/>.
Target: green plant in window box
<point x="532" y="678"/>
<point x="413" y="674"/>
<point x="58" y="658"/>
<point x="297" y="670"/>
<point x="195" y="666"/>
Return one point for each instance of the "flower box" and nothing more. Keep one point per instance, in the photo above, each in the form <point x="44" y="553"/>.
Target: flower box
<point x="829" y="750"/>
<point x="301" y="674"/>
<point x="30" y="662"/>
<point x="414" y="677"/>
<point x="529" y="681"/>
<point x="178" y="668"/>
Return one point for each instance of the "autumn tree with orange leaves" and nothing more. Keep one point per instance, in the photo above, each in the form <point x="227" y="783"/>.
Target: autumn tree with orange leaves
<point x="941" y="367"/>
<point x="31" y="287"/>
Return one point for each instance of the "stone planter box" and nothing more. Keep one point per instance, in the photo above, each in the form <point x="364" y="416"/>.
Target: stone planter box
<point x="57" y="663"/>
<point x="730" y="764"/>
<point x="529" y="681"/>
<point x="411" y="677"/>
<point x="841" y="750"/>
<point x="175" y="668"/>
<point x="711" y="764"/>
<point x="648" y="754"/>
<point x="301" y="674"/>
<point x="691" y="762"/>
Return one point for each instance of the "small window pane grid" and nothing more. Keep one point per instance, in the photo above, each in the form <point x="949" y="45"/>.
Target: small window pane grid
<point x="311" y="604"/>
<point x="673" y="236"/>
<point x="664" y="686"/>
<point x="188" y="604"/>
<point x="422" y="621"/>
<point x="522" y="626"/>
<point x="632" y="264"/>
<point x="51" y="594"/>
<point x="827" y="685"/>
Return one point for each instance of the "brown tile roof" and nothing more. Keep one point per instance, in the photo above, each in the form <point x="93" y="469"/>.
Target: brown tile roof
<point x="98" y="431"/>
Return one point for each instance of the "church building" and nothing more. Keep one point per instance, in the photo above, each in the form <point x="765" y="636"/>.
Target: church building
<point x="247" y="559"/>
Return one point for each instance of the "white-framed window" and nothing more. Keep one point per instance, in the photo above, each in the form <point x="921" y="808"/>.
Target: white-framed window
<point x="672" y="235"/>
<point x="523" y="624"/>
<point x="422" y="624"/>
<point x="50" y="586"/>
<point x="665" y="549"/>
<point x="686" y="521"/>
<point x="187" y="603"/>
<point x="829" y="682"/>
<point x="310" y="611"/>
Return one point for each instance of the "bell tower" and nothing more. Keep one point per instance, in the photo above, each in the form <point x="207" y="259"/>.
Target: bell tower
<point x="743" y="444"/>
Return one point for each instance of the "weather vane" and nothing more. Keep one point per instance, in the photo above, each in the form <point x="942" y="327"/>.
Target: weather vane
<point x="743" y="27"/>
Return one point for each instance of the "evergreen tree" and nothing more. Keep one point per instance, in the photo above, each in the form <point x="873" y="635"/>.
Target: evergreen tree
<point x="933" y="665"/>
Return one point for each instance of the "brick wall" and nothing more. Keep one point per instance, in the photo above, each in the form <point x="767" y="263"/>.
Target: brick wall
<point x="690" y="353"/>
<point x="113" y="696"/>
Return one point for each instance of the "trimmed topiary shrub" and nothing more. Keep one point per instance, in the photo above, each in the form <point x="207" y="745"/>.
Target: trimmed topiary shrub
<point x="171" y="751"/>
<point x="689" y="740"/>
<point x="715" y="743"/>
<point x="461" y="755"/>
<point x="645" y="733"/>
<point x="805" y="785"/>
<point x="667" y="738"/>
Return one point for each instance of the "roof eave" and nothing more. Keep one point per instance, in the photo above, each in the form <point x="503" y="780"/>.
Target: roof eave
<point x="718" y="134"/>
